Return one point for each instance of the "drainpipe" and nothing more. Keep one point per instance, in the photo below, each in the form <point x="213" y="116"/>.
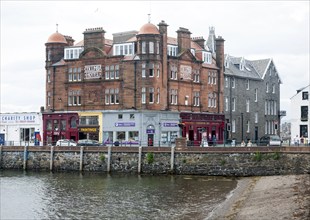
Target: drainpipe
<point x="135" y="85"/>
<point x="54" y="74"/>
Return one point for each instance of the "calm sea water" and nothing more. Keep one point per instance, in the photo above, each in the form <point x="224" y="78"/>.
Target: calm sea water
<point x="32" y="195"/>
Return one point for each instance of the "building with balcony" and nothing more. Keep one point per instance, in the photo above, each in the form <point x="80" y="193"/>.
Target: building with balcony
<point x="300" y="122"/>
<point x="144" y="83"/>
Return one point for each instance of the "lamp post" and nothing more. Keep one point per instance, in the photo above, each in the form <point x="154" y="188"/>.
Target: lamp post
<point x="241" y="126"/>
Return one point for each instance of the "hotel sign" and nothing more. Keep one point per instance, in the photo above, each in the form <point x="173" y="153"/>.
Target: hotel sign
<point x="185" y="72"/>
<point x="92" y="72"/>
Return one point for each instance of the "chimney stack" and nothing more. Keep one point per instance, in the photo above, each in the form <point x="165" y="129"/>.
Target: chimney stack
<point x="200" y="41"/>
<point x="184" y="39"/>
<point x="94" y="37"/>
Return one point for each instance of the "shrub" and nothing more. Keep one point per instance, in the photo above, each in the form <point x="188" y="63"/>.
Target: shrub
<point x="276" y="155"/>
<point x="258" y="156"/>
<point x="102" y="157"/>
<point x="223" y="162"/>
<point x="150" y="157"/>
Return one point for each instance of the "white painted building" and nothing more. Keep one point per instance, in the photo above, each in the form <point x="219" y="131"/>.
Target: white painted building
<point x="20" y="129"/>
<point x="300" y="123"/>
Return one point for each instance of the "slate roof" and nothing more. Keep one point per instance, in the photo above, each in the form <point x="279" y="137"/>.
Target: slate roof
<point x="248" y="72"/>
<point x="261" y="66"/>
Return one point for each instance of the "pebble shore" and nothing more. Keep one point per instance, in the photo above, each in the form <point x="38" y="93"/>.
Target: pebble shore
<point x="267" y="197"/>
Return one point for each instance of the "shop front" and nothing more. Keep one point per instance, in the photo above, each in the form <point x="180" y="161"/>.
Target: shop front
<point x="90" y="126"/>
<point x="20" y="129"/>
<point x="140" y="128"/>
<point x="60" y="125"/>
<point x="198" y="127"/>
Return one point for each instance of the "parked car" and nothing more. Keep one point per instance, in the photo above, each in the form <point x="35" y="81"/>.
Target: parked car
<point x="270" y="140"/>
<point x="66" y="142"/>
<point x="89" y="142"/>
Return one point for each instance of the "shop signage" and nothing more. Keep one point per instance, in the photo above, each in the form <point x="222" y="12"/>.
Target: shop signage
<point x="170" y="124"/>
<point x="19" y="118"/>
<point x="125" y="124"/>
<point x="186" y="72"/>
<point x="92" y="72"/>
<point x="88" y="130"/>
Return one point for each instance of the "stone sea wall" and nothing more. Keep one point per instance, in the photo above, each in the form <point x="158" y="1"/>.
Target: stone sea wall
<point x="216" y="161"/>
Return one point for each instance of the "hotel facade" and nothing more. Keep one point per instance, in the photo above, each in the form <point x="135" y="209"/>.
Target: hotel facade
<point x="141" y="87"/>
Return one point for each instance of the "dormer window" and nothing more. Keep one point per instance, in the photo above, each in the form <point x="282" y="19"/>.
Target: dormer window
<point x="227" y="62"/>
<point x="73" y="52"/>
<point x="123" y="49"/>
<point x="193" y="51"/>
<point x="207" y="57"/>
<point x="242" y="64"/>
<point x="172" y="50"/>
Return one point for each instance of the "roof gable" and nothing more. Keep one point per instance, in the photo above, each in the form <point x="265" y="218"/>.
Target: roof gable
<point x="92" y="52"/>
<point x="187" y="55"/>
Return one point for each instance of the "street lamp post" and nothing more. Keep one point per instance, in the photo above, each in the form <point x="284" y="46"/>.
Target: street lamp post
<point x="242" y="127"/>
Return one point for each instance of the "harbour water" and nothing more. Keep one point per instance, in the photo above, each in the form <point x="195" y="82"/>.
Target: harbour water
<point x="43" y="195"/>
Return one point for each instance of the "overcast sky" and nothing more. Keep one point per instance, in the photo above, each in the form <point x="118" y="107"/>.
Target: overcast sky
<point x="252" y="29"/>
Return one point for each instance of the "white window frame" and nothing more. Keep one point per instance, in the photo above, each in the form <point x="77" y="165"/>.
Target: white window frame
<point x="233" y="82"/>
<point x="247" y="84"/>
<point x="233" y="107"/>
<point x="143" y="70"/>
<point x="255" y="95"/>
<point x="151" y="47"/>
<point x="196" y="98"/>
<point x="226" y="104"/>
<point x="248" y="126"/>
<point x="143" y="95"/>
<point x="143" y="47"/>
<point x="248" y="105"/>
<point x="107" y="72"/>
<point x="256" y="117"/>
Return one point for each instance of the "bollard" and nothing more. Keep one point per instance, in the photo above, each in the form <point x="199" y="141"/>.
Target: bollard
<point x="81" y="158"/>
<point x="139" y="159"/>
<point x="25" y="157"/>
<point x="172" y="159"/>
<point x="109" y="160"/>
<point x="51" y="158"/>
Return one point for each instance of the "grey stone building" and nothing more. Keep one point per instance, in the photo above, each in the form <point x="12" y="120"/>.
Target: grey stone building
<point x="251" y="98"/>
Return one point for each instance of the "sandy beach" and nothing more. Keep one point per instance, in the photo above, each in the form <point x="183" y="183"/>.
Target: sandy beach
<point x="268" y="197"/>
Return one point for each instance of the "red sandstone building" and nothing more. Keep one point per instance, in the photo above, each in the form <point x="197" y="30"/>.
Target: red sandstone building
<point x="144" y="83"/>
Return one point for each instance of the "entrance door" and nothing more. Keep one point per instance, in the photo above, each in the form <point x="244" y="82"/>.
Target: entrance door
<point x="1" y="139"/>
<point x="150" y="140"/>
